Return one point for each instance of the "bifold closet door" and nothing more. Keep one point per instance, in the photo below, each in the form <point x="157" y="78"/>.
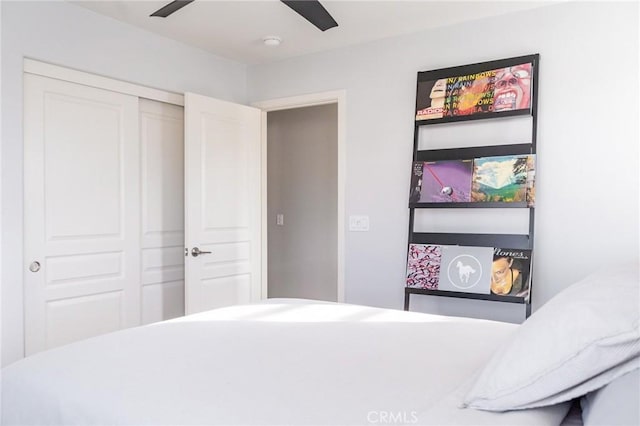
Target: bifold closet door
<point x="82" y="212"/>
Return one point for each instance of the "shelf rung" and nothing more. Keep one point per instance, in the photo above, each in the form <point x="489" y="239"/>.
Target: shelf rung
<point x="512" y="241"/>
<point x="462" y="295"/>
<point x="479" y="205"/>
<point x="474" y="152"/>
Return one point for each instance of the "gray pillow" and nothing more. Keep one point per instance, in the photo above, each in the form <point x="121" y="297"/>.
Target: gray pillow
<point x="582" y="339"/>
<point x="616" y="404"/>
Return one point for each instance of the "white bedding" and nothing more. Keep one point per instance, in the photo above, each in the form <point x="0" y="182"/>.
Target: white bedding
<point x="280" y="362"/>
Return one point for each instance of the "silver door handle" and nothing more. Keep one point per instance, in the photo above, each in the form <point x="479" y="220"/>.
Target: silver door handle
<point x="35" y="266"/>
<point x="195" y="252"/>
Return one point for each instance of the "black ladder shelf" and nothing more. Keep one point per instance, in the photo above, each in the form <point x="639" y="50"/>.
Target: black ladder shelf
<point x="513" y="241"/>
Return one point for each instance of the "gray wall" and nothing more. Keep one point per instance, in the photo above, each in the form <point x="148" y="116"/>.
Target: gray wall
<point x="587" y="190"/>
<point x="302" y="183"/>
<point x="65" y="34"/>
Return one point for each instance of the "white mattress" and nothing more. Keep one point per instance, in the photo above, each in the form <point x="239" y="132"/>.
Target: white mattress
<point x="280" y="362"/>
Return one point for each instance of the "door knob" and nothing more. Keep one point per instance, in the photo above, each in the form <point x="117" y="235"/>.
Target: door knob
<point x="195" y="252"/>
<point x="35" y="266"/>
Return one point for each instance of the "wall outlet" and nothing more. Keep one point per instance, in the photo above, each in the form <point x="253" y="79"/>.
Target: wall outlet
<point x="280" y="219"/>
<point x="359" y="223"/>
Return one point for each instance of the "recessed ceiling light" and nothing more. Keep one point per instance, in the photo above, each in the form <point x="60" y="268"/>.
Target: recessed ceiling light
<point x="271" y="41"/>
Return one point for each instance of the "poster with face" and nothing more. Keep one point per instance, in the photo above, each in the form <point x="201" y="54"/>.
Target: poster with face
<point x="512" y="88"/>
<point x="494" y="90"/>
<point x="431" y="96"/>
<point x="510" y="272"/>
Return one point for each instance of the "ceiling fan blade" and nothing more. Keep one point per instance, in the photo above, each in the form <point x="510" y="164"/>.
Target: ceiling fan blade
<point x="313" y="12"/>
<point x="168" y="9"/>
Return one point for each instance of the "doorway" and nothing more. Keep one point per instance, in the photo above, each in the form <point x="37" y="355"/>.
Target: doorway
<point x="303" y="198"/>
<point x="302" y="202"/>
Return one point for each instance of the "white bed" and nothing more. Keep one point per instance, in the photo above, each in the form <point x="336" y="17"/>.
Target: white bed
<point x="280" y="362"/>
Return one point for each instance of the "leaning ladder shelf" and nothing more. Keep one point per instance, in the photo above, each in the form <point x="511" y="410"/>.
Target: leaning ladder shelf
<point x="514" y="241"/>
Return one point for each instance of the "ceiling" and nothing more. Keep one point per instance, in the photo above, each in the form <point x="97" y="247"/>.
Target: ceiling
<point x="234" y="29"/>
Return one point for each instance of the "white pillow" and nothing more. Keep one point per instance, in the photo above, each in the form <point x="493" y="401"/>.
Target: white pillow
<point x="615" y="404"/>
<point x="580" y="340"/>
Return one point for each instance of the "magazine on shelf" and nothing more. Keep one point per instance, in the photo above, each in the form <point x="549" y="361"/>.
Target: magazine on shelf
<point x="500" y="179"/>
<point x="511" y="272"/>
<point x="423" y="266"/>
<point x="466" y="269"/>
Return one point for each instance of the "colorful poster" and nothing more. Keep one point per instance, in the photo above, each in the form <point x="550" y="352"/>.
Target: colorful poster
<point x="469" y="94"/>
<point x="500" y="179"/>
<point x="423" y="266"/>
<point x="512" y="88"/>
<point x="466" y="269"/>
<point x="447" y="181"/>
<point x="510" y="272"/>
<point x="496" y="90"/>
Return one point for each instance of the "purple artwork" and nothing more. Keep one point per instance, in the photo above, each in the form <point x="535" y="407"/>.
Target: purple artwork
<point x="446" y="181"/>
<point x="423" y="266"/>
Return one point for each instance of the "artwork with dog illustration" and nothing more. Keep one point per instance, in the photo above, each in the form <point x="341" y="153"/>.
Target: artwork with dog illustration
<point x="466" y="269"/>
<point x="423" y="266"/>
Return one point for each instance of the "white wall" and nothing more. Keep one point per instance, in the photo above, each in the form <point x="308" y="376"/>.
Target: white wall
<point x="302" y="155"/>
<point x="587" y="194"/>
<point x="587" y="213"/>
<point x="68" y="35"/>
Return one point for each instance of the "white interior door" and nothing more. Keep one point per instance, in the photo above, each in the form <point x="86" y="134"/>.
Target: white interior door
<point x="222" y="203"/>
<point x="162" y="203"/>
<point x="82" y="198"/>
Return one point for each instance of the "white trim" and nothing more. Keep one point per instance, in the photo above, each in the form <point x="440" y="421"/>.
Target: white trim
<point x="336" y="96"/>
<point x="333" y="97"/>
<point x="44" y="69"/>
<point x="264" y="224"/>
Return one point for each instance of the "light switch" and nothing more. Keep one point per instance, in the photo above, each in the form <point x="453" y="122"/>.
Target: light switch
<point x="280" y="219"/>
<point x="359" y="223"/>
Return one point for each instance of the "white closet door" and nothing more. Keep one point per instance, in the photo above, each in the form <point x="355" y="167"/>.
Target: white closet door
<point x="162" y="171"/>
<point x="222" y="194"/>
<point x="82" y="212"/>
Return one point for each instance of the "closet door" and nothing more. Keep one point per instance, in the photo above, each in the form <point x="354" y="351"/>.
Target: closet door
<point x="162" y="172"/>
<point x="222" y="197"/>
<point x="82" y="212"/>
